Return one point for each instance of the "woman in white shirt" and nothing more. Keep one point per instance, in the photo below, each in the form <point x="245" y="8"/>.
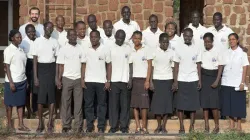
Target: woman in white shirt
<point x="161" y="104"/>
<point x="233" y="87"/>
<point x="15" y="79"/>
<point x="210" y="77"/>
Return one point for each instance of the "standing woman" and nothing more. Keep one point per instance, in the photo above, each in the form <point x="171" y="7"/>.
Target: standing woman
<point x="233" y="92"/>
<point x="187" y="79"/>
<point x="142" y="67"/>
<point x="15" y="79"/>
<point x="210" y="77"/>
<point x="163" y="81"/>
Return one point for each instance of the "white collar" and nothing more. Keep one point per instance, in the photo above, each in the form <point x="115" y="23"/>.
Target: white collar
<point x="158" y="31"/>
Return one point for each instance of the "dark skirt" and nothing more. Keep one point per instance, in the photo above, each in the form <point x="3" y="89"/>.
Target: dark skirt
<point x="187" y="97"/>
<point x="209" y="97"/>
<point x="30" y="76"/>
<point x="162" y="97"/>
<point x="46" y="77"/>
<point x="233" y="103"/>
<point x="139" y="96"/>
<point x="17" y="98"/>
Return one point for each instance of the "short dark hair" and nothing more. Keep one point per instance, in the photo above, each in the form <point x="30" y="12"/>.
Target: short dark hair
<point x="171" y="23"/>
<point x="79" y="22"/>
<point x="95" y="31"/>
<point x="188" y="30"/>
<point x="34" y="8"/>
<point x="195" y="12"/>
<point x="29" y="26"/>
<point x="69" y="30"/>
<point x="108" y="21"/>
<point x="217" y="14"/>
<point x="124" y="8"/>
<point x="46" y="23"/>
<point x="13" y="33"/>
<point x="153" y="15"/>
<point x="209" y="35"/>
<point x="137" y="33"/>
<point x="162" y="35"/>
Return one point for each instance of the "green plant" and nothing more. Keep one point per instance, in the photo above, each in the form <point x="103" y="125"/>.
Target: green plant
<point x="176" y="6"/>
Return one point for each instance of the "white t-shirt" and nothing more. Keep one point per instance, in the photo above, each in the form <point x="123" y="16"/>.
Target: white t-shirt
<point x="46" y="49"/>
<point x="151" y="39"/>
<point x="85" y="42"/>
<point x="235" y="60"/>
<point x="120" y="62"/>
<point x="211" y="59"/>
<point x="139" y="59"/>
<point x="175" y="42"/>
<point x="108" y="41"/>
<point x="39" y="30"/>
<point x="61" y="37"/>
<point x="28" y="46"/>
<point x="102" y="34"/>
<point x="188" y="57"/>
<point x="71" y="57"/>
<point x="162" y="63"/>
<point x="16" y="58"/>
<point x="96" y="63"/>
<point x="221" y="37"/>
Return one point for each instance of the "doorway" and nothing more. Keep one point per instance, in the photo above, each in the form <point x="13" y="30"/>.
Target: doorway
<point x="186" y="8"/>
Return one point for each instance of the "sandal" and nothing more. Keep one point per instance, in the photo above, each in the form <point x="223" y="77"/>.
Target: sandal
<point x="50" y="128"/>
<point x="24" y="128"/>
<point x="182" y="131"/>
<point x="206" y="130"/>
<point x="138" y="130"/>
<point x="164" y="131"/>
<point x="144" y="131"/>
<point x="39" y="129"/>
<point x="157" y="130"/>
<point x="11" y="130"/>
<point x="216" y="130"/>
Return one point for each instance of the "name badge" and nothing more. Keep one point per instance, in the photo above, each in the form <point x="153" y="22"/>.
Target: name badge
<point x="144" y="58"/>
<point x="126" y="55"/>
<point x="214" y="60"/>
<point x="194" y="58"/>
<point x="100" y="58"/>
<point x="201" y="37"/>
<point x="80" y="56"/>
<point x="223" y="40"/>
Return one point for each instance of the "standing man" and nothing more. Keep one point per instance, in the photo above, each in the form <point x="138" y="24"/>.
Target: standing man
<point x="34" y="14"/>
<point x="108" y="39"/>
<point x="119" y="97"/>
<point x="96" y="75"/>
<point x="220" y="32"/>
<point x="152" y="33"/>
<point x="92" y="22"/>
<point x="198" y="30"/>
<point x="82" y="39"/>
<point x="59" y="32"/>
<point x="69" y="60"/>
<point x="126" y="24"/>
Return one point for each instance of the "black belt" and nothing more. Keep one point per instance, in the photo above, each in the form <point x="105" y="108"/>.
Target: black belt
<point x="213" y="73"/>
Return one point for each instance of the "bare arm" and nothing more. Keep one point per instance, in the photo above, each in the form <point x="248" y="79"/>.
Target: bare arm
<point x="244" y="73"/>
<point x="109" y="71"/>
<point x="130" y="75"/>
<point x="149" y="70"/>
<point x="7" y="68"/>
<point x="35" y="70"/>
<point x="199" y="75"/>
<point x="83" y="75"/>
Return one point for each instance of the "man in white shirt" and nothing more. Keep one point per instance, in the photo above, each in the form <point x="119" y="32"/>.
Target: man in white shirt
<point x="119" y="96"/>
<point x="34" y="14"/>
<point x="95" y="80"/>
<point x="198" y="30"/>
<point x="126" y="24"/>
<point x="82" y="39"/>
<point x="69" y="60"/>
<point x="59" y="32"/>
<point x="92" y="22"/>
<point x="152" y="33"/>
<point x="108" y="40"/>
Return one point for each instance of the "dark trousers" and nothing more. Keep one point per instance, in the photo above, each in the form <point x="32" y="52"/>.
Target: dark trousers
<point x="89" y="97"/>
<point x="119" y="100"/>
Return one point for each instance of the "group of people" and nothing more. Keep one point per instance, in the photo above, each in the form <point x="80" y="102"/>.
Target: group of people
<point x="203" y="68"/>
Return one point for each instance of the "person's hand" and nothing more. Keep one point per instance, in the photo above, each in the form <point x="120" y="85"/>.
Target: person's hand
<point x="215" y="84"/>
<point x="107" y="86"/>
<point x="59" y="84"/>
<point x="241" y="87"/>
<point x="12" y="87"/>
<point x="129" y="86"/>
<point x="146" y="85"/>
<point x="175" y="86"/>
<point x="199" y="85"/>
<point x="36" y="82"/>
<point x="151" y="86"/>
<point x="83" y="84"/>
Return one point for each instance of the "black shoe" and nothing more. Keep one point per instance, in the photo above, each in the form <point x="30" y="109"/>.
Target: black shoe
<point x="124" y="130"/>
<point x="89" y="130"/>
<point x="78" y="130"/>
<point x="100" y="130"/>
<point x="65" y="130"/>
<point x="113" y="130"/>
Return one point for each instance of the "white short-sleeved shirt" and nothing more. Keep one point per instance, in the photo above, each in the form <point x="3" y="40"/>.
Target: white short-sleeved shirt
<point x="102" y="34"/>
<point x="108" y="41"/>
<point x="71" y="57"/>
<point x="61" y="37"/>
<point x="46" y="49"/>
<point x="139" y="59"/>
<point x="211" y="59"/>
<point x="96" y="63"/>
<point x="39" y="30"/>
<point x="119" y="56"/>
<point x="17" y="59"/>
<point x="187" y="57"/>
<point x="85" y="42"/>
<point x="163" y="62"/>
<point x="221" y="37"/>
<point x="235" y="60"/>
<point x="175" y="42"/>
<point x="28" y="46"/>
<point x="151" y="39"/>
<point x="127" y="28"/>
<point x="198" y="34"/>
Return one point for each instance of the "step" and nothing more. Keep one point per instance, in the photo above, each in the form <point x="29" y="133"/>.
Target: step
<point x="172" y="125"/>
